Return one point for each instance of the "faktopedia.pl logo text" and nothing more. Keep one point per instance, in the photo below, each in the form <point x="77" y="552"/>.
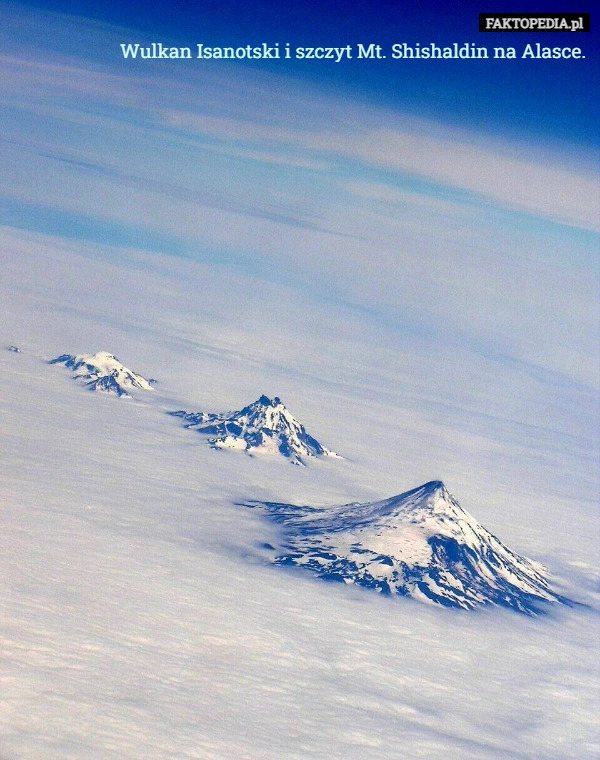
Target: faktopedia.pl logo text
<point x="534" y="22"/>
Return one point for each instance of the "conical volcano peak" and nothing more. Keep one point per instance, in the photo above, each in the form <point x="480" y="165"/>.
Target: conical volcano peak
<point x="428" y="491"/>
<point x="421" y="543"/>
<point x="430" y="499"/>
<point x="264" y="426"/>
<point x="435" y="488"/>
<point x="104" y="356"/>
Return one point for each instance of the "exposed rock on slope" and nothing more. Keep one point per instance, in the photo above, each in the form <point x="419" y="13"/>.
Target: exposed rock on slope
<point x="421" y="544"/>
<point x="263" y="426"/>
<point x="103" y="372"/>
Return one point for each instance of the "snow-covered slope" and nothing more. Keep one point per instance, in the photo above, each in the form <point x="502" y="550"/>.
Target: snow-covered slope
<point x="103" y="372"/>
<point x="135" y="618"/>
<point x="263" y="426"/>
<point x="421" y="543"/>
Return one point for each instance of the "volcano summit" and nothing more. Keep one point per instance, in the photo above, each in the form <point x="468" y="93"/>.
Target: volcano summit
<point x="421" y="544"/>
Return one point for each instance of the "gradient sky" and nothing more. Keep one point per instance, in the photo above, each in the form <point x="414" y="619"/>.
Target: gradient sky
<point x="455" y="200"/>
<point x="538" y="98"/>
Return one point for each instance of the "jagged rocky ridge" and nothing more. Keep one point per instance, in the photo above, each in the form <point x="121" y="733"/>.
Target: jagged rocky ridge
<point x="103" y="372"/>
<point x="263" y="426"/>
<point x="421" y="544"/>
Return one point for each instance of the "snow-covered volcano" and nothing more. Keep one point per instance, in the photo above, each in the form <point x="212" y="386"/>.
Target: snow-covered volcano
<point x="421" y="543"/>
<point x="103" y="372"/>
<point x="263" y="426"/>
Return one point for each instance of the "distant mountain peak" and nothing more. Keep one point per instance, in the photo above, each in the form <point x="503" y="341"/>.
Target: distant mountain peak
<point x="103" y="372"/>
<point x="266" y="401"/>
<point x="420" y="543"/>
<point x="264" y="426"/>
<point x="433" y="488"/>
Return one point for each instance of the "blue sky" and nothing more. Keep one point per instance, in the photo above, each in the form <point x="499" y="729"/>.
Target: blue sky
<point x="445" y="200"/>
<point x="542" y="99"/>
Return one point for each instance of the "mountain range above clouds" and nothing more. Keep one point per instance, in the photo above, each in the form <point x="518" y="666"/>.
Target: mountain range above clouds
<point x="103" y="372"/>
<point x="264" y="426"/>
<point x="421" y="544"/>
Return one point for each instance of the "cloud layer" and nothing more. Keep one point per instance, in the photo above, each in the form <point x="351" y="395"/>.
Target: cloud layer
<point x="458" y="235"/>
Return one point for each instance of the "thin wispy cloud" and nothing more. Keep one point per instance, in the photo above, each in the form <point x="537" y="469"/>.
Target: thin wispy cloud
<point x="514" y="182"/>
<point x="516" y="177"/>
<point x="421" y="226"/>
